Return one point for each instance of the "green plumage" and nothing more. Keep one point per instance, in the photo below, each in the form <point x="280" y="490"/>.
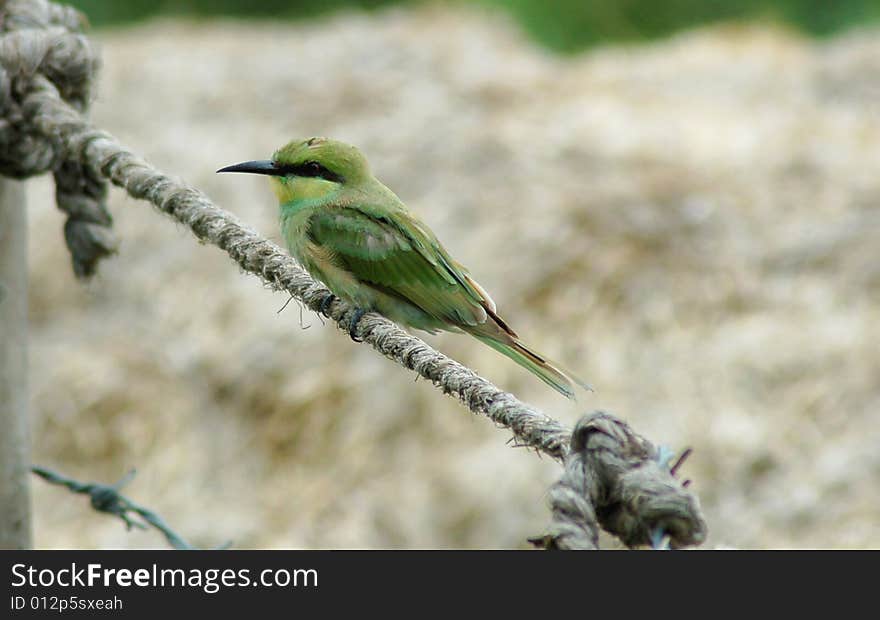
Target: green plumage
<point x="351" y="232"/>
<point x="393" y="259"/>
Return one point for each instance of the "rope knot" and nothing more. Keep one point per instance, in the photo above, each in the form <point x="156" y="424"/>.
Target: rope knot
<point x="621" y="481"/>
<point x="44" y="55"/>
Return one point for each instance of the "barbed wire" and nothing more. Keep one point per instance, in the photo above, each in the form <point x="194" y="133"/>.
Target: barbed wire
<point x="43" y="103"/>
<point x="108" y="499"/>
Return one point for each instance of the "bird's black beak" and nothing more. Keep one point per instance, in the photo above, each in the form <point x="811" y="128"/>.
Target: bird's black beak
<point x="264" y="166"/>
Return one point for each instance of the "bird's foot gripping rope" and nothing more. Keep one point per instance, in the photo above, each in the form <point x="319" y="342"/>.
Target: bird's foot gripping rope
<point x="356" y="317"/>
<point x="620" y="481"/>
<point x="326" y="303"/>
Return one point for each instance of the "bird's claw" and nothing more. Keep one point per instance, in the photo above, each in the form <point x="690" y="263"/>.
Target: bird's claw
<point x="355" y="319"/>
<point x="325" y="304"/>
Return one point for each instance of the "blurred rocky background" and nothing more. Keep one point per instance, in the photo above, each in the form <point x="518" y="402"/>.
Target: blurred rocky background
<point x="690" y="222"/>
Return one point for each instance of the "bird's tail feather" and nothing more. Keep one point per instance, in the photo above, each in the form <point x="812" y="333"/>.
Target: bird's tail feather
<point x="545" y="369"/>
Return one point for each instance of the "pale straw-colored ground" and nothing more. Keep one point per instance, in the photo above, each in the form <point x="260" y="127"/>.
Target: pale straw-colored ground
<point x="692" y="225"/>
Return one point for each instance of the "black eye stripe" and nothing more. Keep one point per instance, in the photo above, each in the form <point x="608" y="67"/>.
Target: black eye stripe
<point x="310" y="169"/>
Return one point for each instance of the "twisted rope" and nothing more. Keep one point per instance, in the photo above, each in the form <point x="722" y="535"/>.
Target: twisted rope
<point x="46" y="113"/>
<point x="41" y="44"/>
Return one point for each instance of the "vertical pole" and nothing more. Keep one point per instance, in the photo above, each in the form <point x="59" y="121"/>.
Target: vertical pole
<point x="15" y="501"/>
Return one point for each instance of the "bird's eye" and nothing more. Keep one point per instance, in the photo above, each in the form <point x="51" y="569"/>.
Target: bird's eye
<point x="315" y="170"/>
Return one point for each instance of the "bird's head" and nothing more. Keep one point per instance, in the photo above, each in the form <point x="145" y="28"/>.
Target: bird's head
<point x="311" y="168"/>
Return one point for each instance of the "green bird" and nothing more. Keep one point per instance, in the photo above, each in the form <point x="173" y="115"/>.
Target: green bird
<point x="357" y="237"/>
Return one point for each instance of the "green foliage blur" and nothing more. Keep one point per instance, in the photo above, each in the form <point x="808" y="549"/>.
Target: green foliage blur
<point x="561" y="25"/>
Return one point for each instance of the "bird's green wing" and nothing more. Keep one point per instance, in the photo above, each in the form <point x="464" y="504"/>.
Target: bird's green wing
<point x="400" y="256"/>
